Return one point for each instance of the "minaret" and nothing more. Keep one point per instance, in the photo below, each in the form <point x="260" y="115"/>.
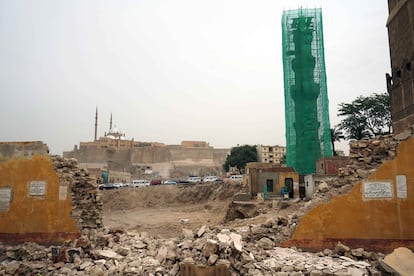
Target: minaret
<point x="110" y="122"/>
<point x="96" y="123"/>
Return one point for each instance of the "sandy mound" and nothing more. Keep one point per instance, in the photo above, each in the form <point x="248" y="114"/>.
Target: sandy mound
<point x="166" y="196"/>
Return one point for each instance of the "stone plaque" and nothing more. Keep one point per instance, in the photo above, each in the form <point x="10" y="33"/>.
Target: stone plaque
<point x="5" y="199"/>
<point x="401" y="186"/>
<point x="63" y="192"/>
<point x="377" y="189"/>
<point x="4" y="206"/>
<point x="5" y="194"/>
<point x="37" y="188"/>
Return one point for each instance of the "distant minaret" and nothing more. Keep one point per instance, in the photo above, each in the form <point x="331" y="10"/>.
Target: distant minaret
<point x="110" y="122"/>
<point x="96" y="124"/>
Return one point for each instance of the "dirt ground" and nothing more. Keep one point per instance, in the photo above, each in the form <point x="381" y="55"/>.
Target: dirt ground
<point x="163" y="211"/>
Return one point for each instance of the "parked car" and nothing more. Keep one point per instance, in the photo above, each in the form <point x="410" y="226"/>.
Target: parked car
<point x="170" y="182"/>
<point x="107" y="186"/>
<point x="236" y="177"/>
<point x="194" y="179"/>
<point x="156" y="182"/>
<point x="118" y="185"/>
<point x="182" y="181"/>
<point x="140" y="183"/>
<point x="210" y="178"/>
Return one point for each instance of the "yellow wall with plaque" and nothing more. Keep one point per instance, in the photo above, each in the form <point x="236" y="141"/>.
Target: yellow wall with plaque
<point x="34" y="205"/>
<point x="377" y="214"/>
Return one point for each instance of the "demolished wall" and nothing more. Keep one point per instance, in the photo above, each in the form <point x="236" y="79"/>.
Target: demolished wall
<point x="43" y="198"/>
<point x="369" y="205"/>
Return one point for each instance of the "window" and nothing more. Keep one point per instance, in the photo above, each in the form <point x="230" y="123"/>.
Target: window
<point x="398" y="73"/>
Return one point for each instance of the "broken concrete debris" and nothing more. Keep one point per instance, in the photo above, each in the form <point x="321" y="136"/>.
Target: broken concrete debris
<point x="239" y="250"/>
<point x="401" y="261"/>
<point x="247" y="250"/>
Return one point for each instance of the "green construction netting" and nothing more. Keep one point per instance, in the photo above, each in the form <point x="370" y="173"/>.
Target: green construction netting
<point x="308" y="136"/>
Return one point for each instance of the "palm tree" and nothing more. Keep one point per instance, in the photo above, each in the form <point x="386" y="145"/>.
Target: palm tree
<point x="336" y="136"/>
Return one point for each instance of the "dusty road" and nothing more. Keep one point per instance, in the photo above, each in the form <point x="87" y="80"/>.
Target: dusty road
<point x="164" y="210"/>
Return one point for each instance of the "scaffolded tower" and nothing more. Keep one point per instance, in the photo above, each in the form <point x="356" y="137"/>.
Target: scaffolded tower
<point x="308" y="136"/>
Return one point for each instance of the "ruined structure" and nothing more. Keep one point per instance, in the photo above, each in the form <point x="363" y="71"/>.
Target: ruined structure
<point x="369" y="205"/>
<point x="306" y="99"/>
<point x="330" y="165"/>
<point x="400" y="83"/>
<point x="43" y="198"/>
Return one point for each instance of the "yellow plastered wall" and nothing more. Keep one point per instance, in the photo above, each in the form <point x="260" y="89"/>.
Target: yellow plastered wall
<point x="294" y="176"/>
<point x="32" y="217"/>
<point x="373" y="223"/>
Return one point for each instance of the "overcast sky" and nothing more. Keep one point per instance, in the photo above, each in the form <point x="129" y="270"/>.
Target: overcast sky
<point x="172" y="70"/>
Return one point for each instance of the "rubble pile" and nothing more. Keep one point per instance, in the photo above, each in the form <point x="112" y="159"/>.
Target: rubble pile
<point x="367" y="155"/>
<point x="243" y="251"/>
<point x="86" y="201"/>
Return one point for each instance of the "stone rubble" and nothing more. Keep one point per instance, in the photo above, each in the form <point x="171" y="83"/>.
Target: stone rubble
<point x="86" y="202"/>
<point x="248" y="250"/>
<point x="365" y="156"/>
<point x="116" y="252"/>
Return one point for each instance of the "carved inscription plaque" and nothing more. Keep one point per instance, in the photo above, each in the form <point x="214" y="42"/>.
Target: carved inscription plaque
<point x="63" y="192"/>
<point x="37" y="188"/>
<point x="401" y="186"/>
<point x="377" y="189"/>
<point x="5" y="199"/>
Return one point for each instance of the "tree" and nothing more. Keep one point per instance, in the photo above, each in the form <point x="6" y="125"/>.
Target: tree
<point x="239" y="156"/>
<point x="283" y="160"/>
<point x="336" y="136"/>
<point x="366" y="115"/>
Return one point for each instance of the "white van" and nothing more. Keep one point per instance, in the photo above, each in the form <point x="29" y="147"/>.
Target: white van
<point x="194" y="179"/>
<point x="236" y="177"/>
<point x="140" y="183"/>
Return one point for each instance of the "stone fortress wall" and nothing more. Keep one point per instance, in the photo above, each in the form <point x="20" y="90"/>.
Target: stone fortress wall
<point x="166" y="161"/>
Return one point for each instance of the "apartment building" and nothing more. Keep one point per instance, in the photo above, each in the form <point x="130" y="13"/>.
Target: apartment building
<point x="270" y="154"/>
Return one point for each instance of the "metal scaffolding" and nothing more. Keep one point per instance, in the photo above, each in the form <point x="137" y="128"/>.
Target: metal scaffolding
<point x="308" y="136"/>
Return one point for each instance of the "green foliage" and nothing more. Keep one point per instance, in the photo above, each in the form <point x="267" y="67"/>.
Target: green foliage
<point x="283" y="160"/>
<point x="239" y="156"/>
<point x="366" y="116"/>
<point x="336" y="136"/>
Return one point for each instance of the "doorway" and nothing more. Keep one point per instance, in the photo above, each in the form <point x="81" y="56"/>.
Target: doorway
<point x="289" y="187"/>
<point x="269" y="185"/>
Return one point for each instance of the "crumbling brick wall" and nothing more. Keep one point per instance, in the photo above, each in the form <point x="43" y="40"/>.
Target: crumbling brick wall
<point x="44" y="199"/>
<point x="369" y="204"/>
<point x="86" y="202"/>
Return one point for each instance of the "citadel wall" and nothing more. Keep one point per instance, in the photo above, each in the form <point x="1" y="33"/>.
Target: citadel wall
<point x="167" y="160"/>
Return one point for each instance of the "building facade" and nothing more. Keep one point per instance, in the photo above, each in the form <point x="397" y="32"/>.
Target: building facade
<point x="271" y="179"/>
<point x="400" y="83"/>
<point x="330" y="165"/>
<point x="270" y="154"/>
